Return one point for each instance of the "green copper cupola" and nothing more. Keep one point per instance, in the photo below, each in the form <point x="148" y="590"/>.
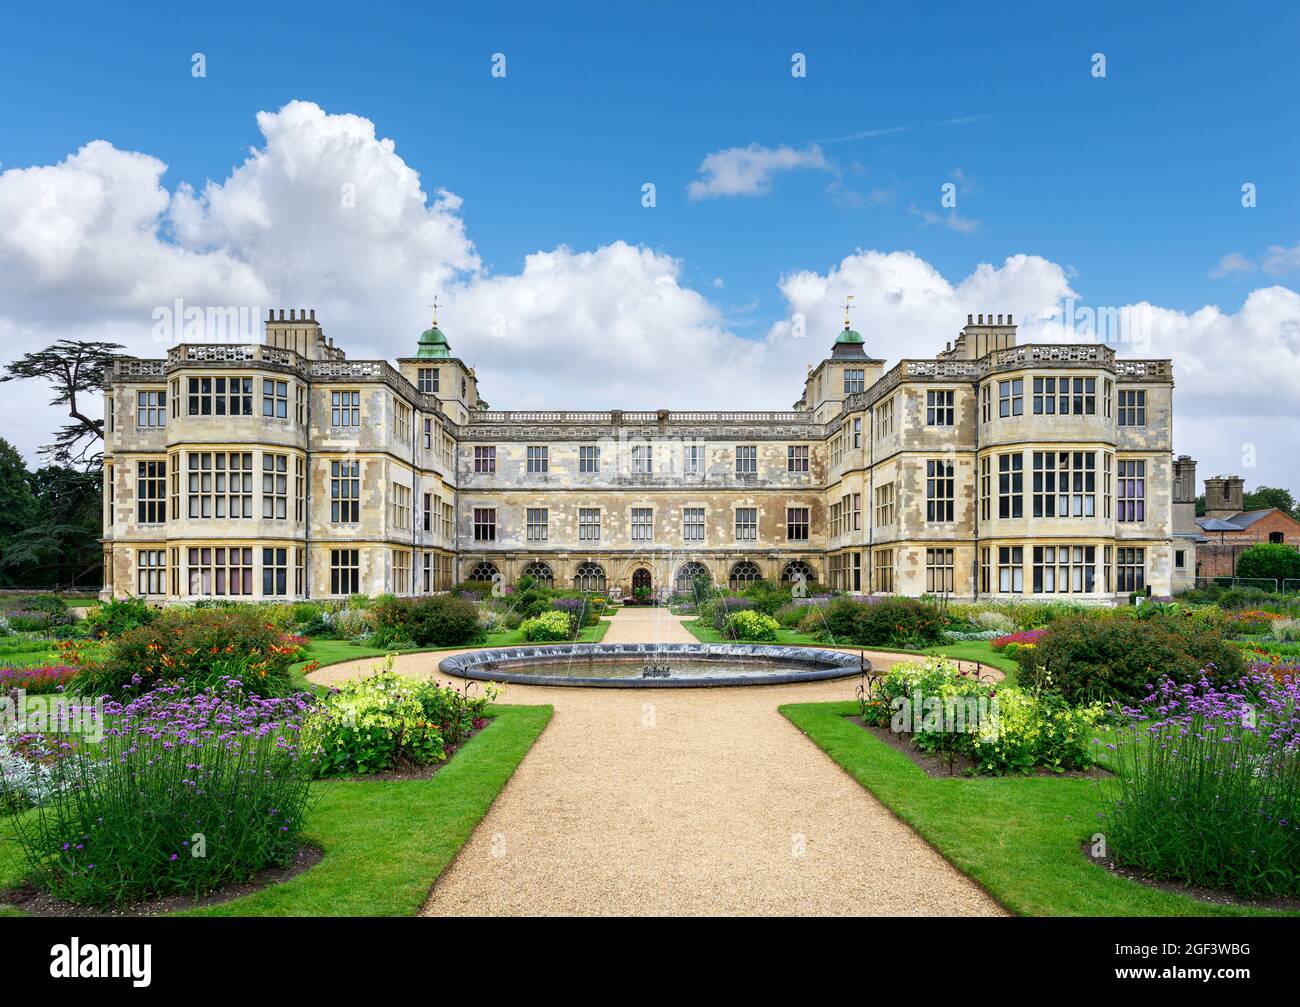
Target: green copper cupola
<point x="433" y="344"/>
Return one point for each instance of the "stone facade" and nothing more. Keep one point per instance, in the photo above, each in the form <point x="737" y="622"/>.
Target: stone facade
<point x="284" y="470"/>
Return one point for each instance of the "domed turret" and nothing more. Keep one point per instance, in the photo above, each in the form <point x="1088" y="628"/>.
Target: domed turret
<point x="433" y="344"/>
<point x="848" y="344"/>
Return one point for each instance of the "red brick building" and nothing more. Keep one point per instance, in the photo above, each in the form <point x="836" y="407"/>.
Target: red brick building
<point x="1229" y="530"/>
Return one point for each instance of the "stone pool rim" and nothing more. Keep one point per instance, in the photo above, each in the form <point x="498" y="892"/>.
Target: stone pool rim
<point x="821" y="665"/>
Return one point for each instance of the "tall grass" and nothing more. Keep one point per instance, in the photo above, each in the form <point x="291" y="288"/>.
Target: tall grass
<point x="1208" y="785"/>
<point x="185" y="793"/>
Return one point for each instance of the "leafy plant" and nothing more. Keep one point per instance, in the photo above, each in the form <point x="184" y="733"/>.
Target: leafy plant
<point x="753" y="626"/>
<point x="548" y="626"/>
<point x="116" y="616"/>
<point x="386" y="721"/>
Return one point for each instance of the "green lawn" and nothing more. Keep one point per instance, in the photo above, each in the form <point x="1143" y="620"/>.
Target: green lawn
<point x="385" y="843"/>
<point x="784" y="637"/>
<point x="327" y="652"/>
<point x="979" y="650"/>
<point x="1019" y="837"/>
<point x="973" y="650"/>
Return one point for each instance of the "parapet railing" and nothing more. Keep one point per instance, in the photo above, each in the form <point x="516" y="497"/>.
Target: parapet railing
<point x="615" y="417"/>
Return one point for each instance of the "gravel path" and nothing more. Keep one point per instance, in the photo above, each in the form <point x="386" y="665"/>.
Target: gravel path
<point x="686" y="802"/>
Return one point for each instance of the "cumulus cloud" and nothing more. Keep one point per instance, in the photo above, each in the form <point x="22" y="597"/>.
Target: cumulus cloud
<point x="748" y="171"/>
<point x="324" y="214"/>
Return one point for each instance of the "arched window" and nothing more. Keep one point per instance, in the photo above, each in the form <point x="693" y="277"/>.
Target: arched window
<point x="687" y="574"/>
<point x="743" y="574"/>
<point x="483" y="571"/>
<point x="798" y="570"/>
<point x="541" y="573"/>
<point x="589" y="577"/>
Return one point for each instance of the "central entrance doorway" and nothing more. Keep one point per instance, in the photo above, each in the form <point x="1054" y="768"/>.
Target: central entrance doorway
<point x="641" y="579"/>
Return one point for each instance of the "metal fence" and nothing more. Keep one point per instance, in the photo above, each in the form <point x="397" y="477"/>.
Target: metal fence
<point x="1269" y="584"/>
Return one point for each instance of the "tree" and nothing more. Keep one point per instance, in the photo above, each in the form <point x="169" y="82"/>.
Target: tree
<point x="1274" y="560"/>
<point x="18" y="506"/>
<point x="59" y="546"/>
<point x="1264" y="497"/>
<point x="72" y="368"/>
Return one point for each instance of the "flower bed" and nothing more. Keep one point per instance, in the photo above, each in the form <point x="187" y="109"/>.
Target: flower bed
<point x="1208" y="791"/>
<point x="387" y="722"/>
<point x="1023" y="638"/>
<point x="202" y="647"/>
<point x="185" y="793"/>
<point x="952" y="713"/>
<point x="36" y="680"/>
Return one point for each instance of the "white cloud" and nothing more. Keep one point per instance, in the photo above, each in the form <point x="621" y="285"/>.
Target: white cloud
<point x="1277" y="261"/>
<point x="951" y="220"/>
<point x="748" y="171"/>
<point x="1233" y="262"/>
<point x="86" y="251"/>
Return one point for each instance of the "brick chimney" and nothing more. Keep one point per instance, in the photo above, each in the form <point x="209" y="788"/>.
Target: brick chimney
<point x="1223" y="496"/>
<point x="982" y="335"/>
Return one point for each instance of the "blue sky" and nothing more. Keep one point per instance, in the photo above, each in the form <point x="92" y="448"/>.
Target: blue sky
<point x="1127" y="189"/>
<point x="1133" y="181"/>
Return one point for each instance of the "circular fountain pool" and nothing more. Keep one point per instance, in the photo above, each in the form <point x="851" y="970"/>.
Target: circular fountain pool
<point x="651" y="666"/>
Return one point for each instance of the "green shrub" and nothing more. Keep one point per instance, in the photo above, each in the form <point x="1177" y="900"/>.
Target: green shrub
<point x="43" y="604"/>
<point x="725" y="609"/>
<point x="438" y="621"/>
<point x="445" y="621"/>
<point x="1274" y="560"/>
<point x="549" y="626"/>
<point x="1087" y="659"/>
<point x="203" y="647"/>
<point x="889" y="622"/>
<point x="951" y="713"/>
<point x="114" y="617"/>
<point x="385" y="721"/>
<point x="791" y="615"/>
<point x="1207" y="788"/>
<point x="899" y="622"/>
<point x="841" y="618"/>
<point x="753" y="626"/>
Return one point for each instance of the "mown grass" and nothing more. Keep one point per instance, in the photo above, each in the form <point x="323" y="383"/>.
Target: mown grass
<point x="971" y="650"/>
<point x="327" y="652"/>
<point x="981" y="651"/>
<point x="1019" y="837"/>
<point x="385" y="843"/>
<point x="784" y="637"/>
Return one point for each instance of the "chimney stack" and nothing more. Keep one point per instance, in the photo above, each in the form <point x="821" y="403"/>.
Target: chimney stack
<point x="1223" y="496"/>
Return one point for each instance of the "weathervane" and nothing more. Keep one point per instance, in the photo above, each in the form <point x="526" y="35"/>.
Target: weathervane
<point x="848" y="306"/>
<point x="434" y="306"/>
